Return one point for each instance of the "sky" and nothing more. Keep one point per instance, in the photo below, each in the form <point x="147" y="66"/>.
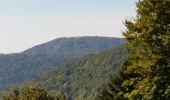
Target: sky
<point x="26" y="23"/>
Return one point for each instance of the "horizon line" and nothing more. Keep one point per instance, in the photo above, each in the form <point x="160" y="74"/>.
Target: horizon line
<point x="80" y="36"/>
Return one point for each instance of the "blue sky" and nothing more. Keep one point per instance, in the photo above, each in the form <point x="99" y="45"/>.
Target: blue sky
<point x="25" y="23"/>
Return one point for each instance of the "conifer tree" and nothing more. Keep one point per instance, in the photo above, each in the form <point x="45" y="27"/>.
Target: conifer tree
<point x="146" y="73"/>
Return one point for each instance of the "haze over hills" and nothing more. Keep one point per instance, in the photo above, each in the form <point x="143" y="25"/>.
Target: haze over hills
<point x="20" y="67"/>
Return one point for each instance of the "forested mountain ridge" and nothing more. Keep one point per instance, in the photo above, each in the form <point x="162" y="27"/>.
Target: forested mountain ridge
<point x="83" y="78"/>
<point x="19" y="67"/>
<point x="75" y="46"/>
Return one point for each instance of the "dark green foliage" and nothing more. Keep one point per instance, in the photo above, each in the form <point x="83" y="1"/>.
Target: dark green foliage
<point x="112" y="90"/>
<point x="34" y="93"/>
<point x="82" y="78"/>
<point x="16" y="68"/>
<point x="146" y="73"/>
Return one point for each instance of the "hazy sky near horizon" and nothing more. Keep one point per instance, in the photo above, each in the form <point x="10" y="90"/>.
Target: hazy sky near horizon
<point x="25" y="23"/>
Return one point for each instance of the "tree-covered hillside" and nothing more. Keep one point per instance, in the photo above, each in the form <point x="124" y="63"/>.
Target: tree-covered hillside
<point x="83" y="78"/>
<point x="28" y="64"/>
<point x="32" y="93"/>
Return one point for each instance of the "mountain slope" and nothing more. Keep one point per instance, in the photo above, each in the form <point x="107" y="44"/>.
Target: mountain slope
<point x="83" y="78"/>
<point x="75" y="46"/>
<point x="28" y="64"/>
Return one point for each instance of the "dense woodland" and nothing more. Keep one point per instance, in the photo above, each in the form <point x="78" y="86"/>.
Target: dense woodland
<point x="83" y="78"/>
<point x="140" y="72"/>
<point x="34" y="93"/>
<point x="20" y="67"/>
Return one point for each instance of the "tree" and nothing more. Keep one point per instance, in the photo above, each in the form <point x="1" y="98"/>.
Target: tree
<point x="145" y="75"/>
<point x="34" y="93"/>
